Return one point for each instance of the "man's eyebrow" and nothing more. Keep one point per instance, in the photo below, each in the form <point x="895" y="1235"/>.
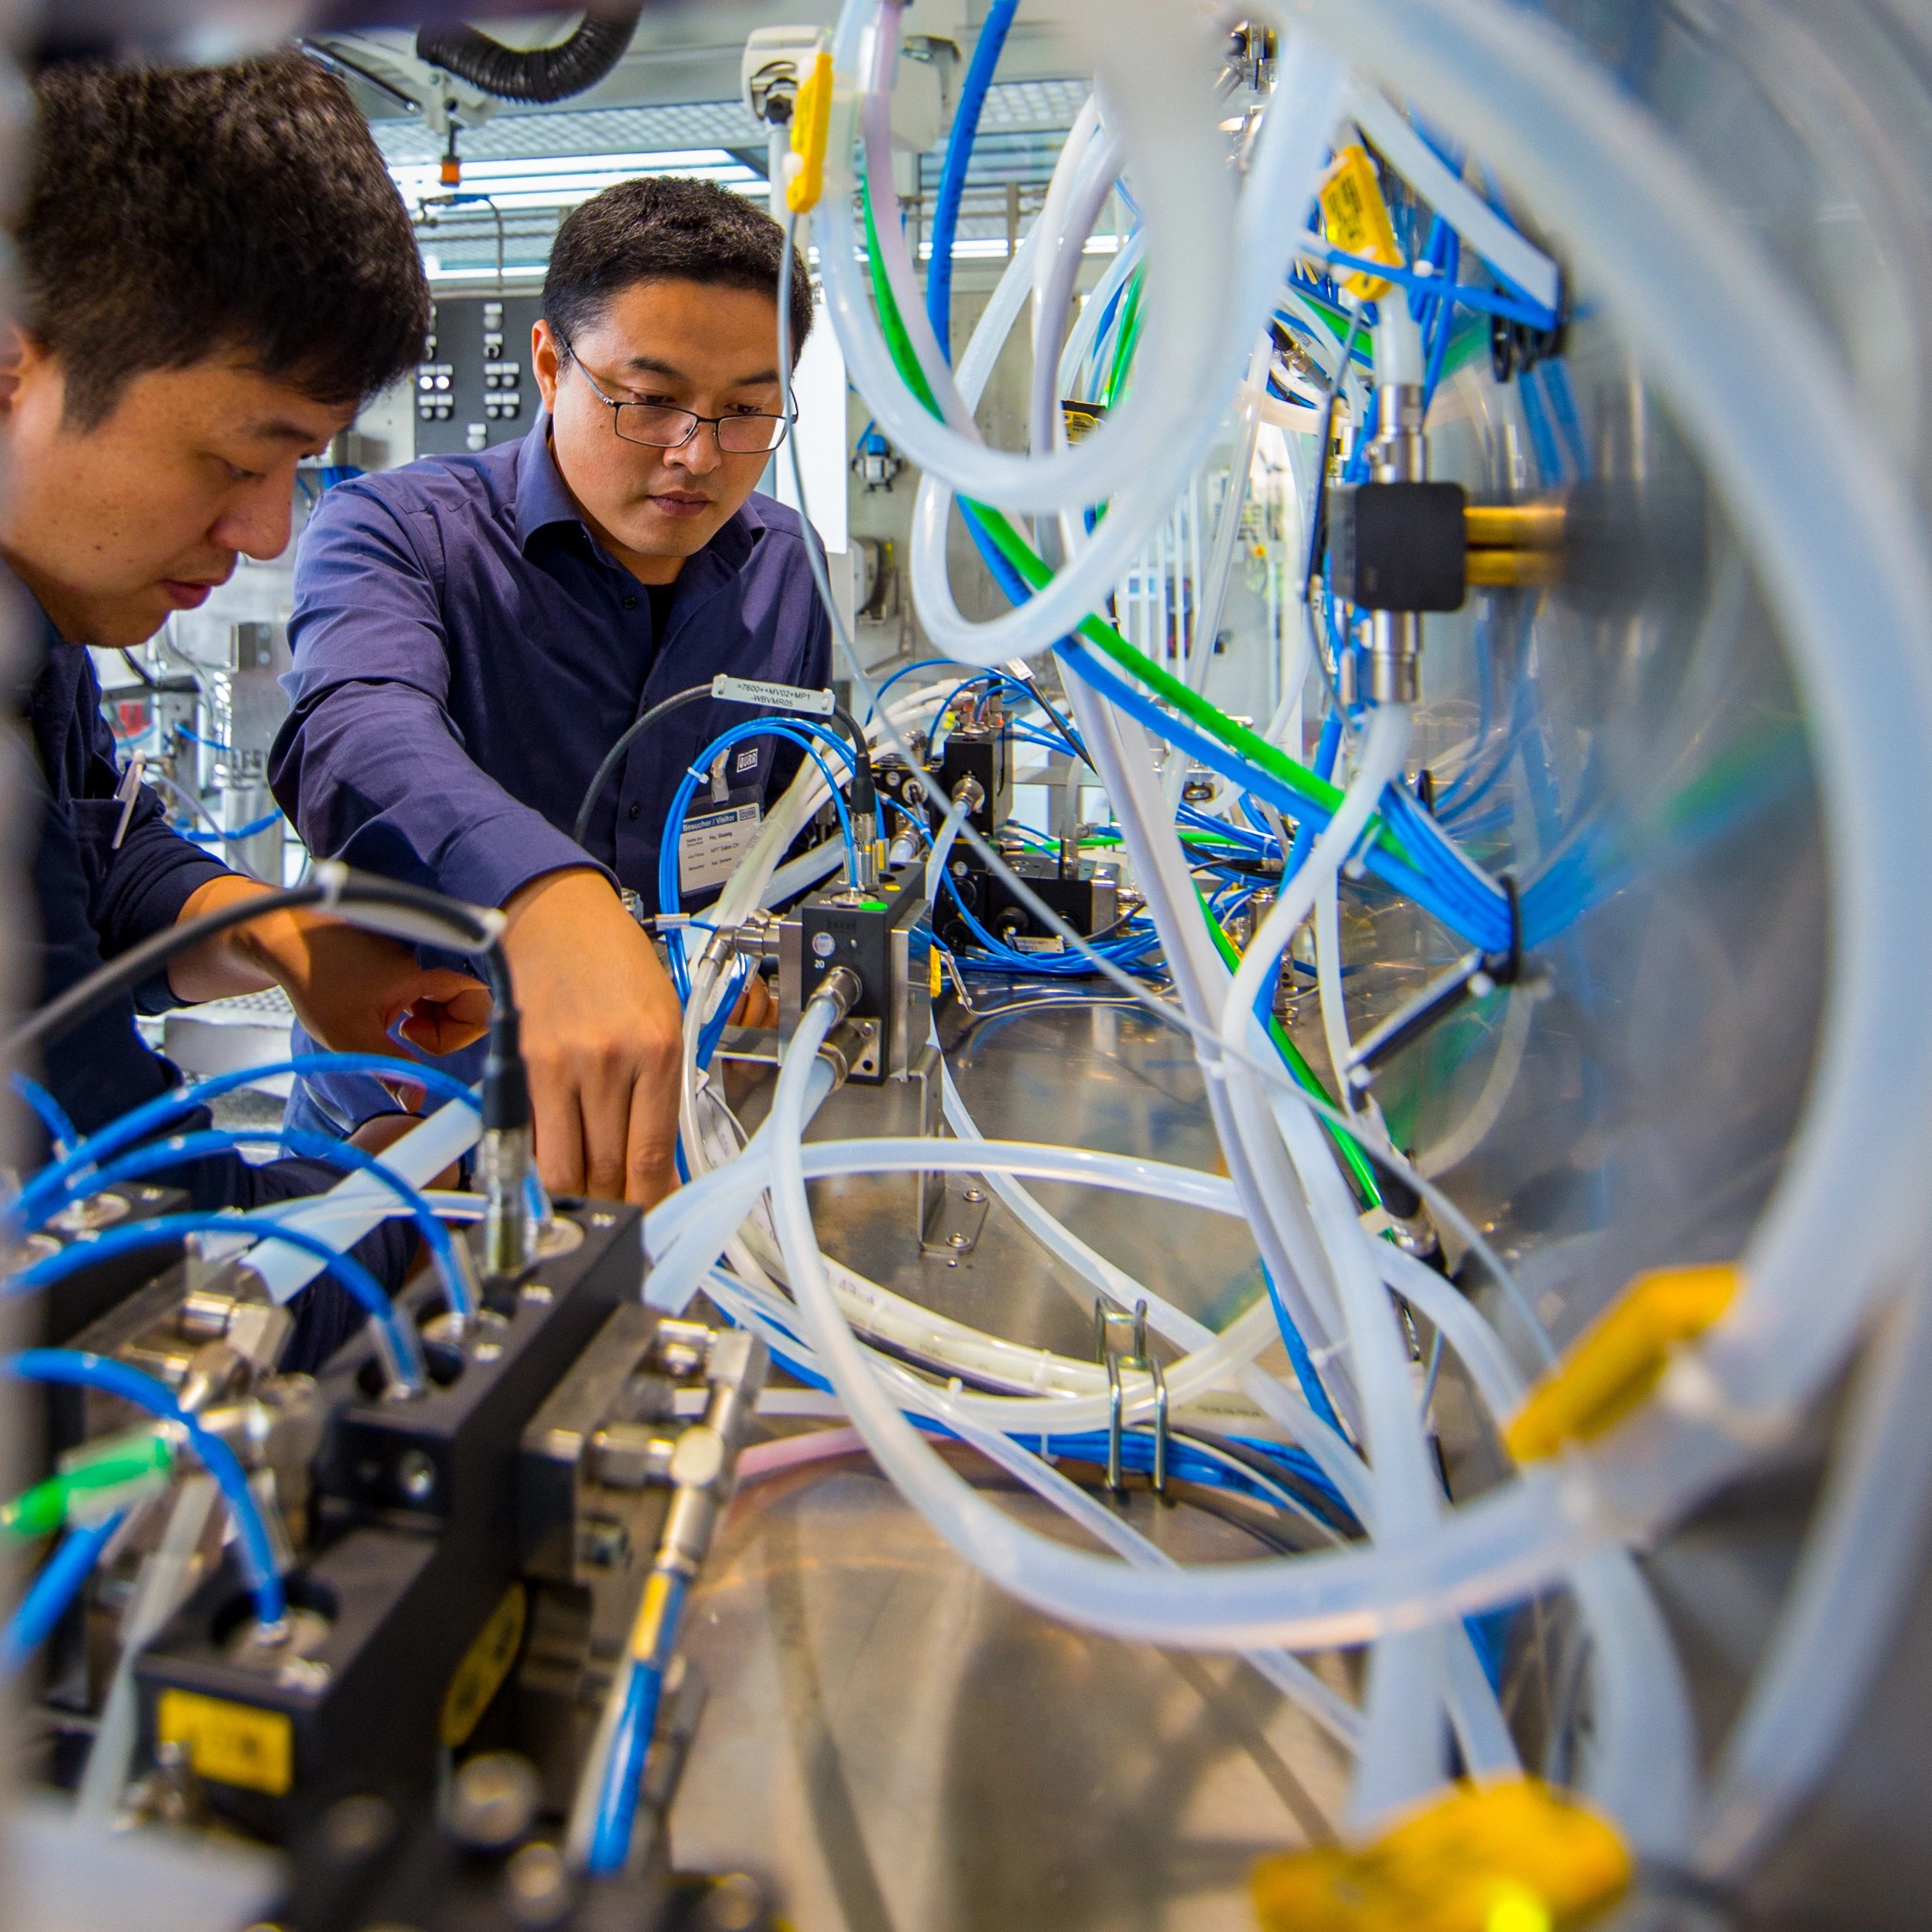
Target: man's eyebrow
<point x="274" y="429"/>
<point x="653" y="365"/>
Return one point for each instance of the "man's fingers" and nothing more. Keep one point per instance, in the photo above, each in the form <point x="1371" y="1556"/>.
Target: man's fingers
<point x="605" y="1098"/>
<point x="559" y="1131"/>
<point x="650" y="1153"/>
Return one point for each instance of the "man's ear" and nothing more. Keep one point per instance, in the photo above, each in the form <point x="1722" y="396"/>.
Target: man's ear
<point x="546" y="362"/>
<point x="22" y="359"/>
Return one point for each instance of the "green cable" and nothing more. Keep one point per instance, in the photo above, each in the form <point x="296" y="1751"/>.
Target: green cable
<point x="143" y="1458"/>
<point x="1238" y="736"/>
<point x="1127" y="339"/>
<point x="1367" y="1191"/>
<point x="1033" y="569"/>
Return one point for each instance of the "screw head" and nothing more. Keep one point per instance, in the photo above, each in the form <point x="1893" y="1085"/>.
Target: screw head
<point x="493" y="1802"/>
<point x="415" y="1476"/>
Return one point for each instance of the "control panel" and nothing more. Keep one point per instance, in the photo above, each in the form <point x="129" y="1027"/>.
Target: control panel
<point x="475" y="387"/>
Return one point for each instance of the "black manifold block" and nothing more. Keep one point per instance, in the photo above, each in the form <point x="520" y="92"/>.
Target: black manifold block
<point x="412" y="1592"/>
<point x="1398" y="546"/>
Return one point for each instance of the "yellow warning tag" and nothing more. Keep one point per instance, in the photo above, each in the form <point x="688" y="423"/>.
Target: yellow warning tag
<point x="484" y="1666"/>
<point x="1616" y="1362"/>
<point x="1357" y="219"/>
<point x="938" y="971"/>
<point x="1515" y="1857"/>
<point x="811" y="127"/>
<point x="229" y="1744"/>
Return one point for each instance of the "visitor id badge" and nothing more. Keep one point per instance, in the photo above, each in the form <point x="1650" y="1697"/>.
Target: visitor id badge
<point x="710" y="846"/>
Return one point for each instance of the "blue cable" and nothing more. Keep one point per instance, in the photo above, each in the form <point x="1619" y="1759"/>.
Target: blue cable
<point x="953" y="174"/>
<point x="131" y="1236"/>
<point x="713" y="1030"/>
<point x="152" y="1115"/>
<point x="924" y="663"/>
<point x="62" y="1578"/>
<point x="196" y="738"/>
<point x="76" y="1368"/>
<point x="247" y="831"/>
<point x="795" y="732"/>
<point x="624" y="1768"/>
<point x="157" y="1157"/>
<point x="63" y="1133"/>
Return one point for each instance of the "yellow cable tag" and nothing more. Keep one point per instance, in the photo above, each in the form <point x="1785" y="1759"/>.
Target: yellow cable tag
<point x="229" y="1744"/>
<point x="485" y="1664"/>
<point x="1357" y="219"/>
<point x="1515" y="1857"/>
<point x="1613" y="1365"/>
<point x="811" y="125"/>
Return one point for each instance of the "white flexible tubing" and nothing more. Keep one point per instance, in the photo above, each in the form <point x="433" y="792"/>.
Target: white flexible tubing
<point x="1401" y="1758"/>
<point x="1288" y="1674"/>
<point x="1056" y="265"/>
<point x="1860" y="1558"/>
<point x="683" y="1235"/>
<point x="1837" y="546"/>
<point x="1500" y="1546"/>
<point x="1067" y="169"/>
<point x="1187" y="206"/>
<point x="1087" y="325"/>
<point x="1516" y="259"/>
<point x="1328" y="991"/>
<point x="1643" y="1769"/>
<point x="1276" y="1215"/>
<point x="1293" y="138"/>
<point x="876" y="114"/>
<point x="1214" y="599"/>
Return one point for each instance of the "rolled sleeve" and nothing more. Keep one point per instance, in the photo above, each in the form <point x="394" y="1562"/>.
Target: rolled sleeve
<point x="370" y="767"/>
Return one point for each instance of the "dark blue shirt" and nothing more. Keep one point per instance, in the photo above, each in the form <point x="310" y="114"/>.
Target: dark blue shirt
<point x="96" y="900"/>
<point x="466" y="653"/>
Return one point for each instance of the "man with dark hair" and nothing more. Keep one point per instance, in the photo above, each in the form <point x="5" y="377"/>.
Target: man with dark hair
<point x="473" y="634"/>
<point x="215" y="270"/>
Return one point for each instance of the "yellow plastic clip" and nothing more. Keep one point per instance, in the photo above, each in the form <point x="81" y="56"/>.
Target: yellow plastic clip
<point x="1357" y="219"/>
<point x="1615" y="1362"/>
<point x="1514" y="1857"/>
<point x="811" y="125"/>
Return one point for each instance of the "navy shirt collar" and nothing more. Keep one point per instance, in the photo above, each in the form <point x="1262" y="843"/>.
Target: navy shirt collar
<point x="544" y="502"/>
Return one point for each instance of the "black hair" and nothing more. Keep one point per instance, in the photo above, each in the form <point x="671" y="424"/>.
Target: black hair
<point x="667" y="228"/>
<point x="174" y="213"/>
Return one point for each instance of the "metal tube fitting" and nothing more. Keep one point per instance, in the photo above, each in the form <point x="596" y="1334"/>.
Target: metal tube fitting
<point x="503" y="1166"/>
<point x="1398" y="454"/>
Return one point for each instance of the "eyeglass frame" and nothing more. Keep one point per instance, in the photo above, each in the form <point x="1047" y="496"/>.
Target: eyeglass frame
<point x="697" y="422"/>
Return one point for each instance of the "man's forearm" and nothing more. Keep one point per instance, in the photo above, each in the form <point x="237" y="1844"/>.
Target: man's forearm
<point x="246" y="958"/>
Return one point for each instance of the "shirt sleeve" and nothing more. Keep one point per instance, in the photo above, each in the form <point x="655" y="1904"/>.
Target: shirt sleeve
<point x="370" y="767"/>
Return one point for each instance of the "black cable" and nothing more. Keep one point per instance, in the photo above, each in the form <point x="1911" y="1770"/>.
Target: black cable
<point x="80" y="1002"/>
<point x="613" y="757"/>
<point x="862" y="781"/>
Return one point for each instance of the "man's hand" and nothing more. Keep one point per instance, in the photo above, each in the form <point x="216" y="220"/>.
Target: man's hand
<point x="756" y="1007"/>
<point x="348" y="987"/>
<point x="602" y="1032"/>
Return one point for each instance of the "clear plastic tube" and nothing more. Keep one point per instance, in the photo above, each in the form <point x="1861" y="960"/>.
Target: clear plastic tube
<point x="1187" y="208"/>
<point x="1832" y="531"/>
<point x="1293" y="138"/>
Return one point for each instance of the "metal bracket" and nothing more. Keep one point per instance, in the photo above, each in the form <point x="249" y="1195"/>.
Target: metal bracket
<point x="1105" y="1322"/>
<point x="1474" y="976"/>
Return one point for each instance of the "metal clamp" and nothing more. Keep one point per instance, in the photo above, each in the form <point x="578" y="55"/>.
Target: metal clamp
<point x="1105" y="1320"/>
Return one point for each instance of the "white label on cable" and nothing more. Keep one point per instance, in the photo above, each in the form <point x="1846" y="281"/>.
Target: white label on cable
<point x="773" y="697"/>
<point x="709" y="848"/>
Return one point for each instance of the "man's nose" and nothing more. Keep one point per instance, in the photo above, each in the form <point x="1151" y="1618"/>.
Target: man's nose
<point x="701" y="455"/>
<point x="257" y="519"/>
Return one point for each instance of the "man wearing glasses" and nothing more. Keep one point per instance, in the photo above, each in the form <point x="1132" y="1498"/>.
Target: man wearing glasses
<point x="471" y="634"/>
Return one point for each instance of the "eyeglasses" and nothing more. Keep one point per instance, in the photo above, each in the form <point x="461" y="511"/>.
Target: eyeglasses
<point x="657" y="426"/>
